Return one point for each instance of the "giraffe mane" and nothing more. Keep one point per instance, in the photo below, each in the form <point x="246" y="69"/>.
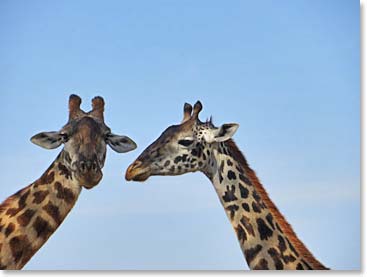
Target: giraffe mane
<point x="284" y="225"/>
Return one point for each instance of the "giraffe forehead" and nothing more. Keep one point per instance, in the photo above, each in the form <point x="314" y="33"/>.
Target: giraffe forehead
<point x="173" y="132"/>
<point x="188" y="128"/>
<point x="87" y="127"/>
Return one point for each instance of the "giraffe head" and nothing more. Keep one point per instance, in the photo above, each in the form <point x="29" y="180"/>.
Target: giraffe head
<point x="85" y="137"/>
<point x="187" y="147"/>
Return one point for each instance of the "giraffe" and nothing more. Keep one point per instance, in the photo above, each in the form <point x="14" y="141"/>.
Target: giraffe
<point x="265" y="237"/>
<point x="29" y="217"/>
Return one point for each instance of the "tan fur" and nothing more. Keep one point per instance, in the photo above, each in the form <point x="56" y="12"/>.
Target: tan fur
<point x="20" y="213"/>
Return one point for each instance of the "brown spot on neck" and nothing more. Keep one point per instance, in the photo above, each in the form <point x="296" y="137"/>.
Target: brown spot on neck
<point x="64" y="171"/>
<point x="64" y="193"/>
<point x="39" y="196"/>
<point x="26" y="217"/>
<point x="9" y="229"/>
<point x="47" y="178"/>
<point x="42" y="228"/>
<point x="21" y="249"/>
<point x="22" y="196"/>
<point x="54" y="212"/>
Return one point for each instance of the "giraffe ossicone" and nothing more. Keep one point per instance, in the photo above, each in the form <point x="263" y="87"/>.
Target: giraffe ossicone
<point x="30" y="216"/>
<point x="265" y="237"/>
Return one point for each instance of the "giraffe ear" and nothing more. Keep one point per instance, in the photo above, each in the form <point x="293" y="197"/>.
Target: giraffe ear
<point x="120" y="144"/>
<point x="48" y="140"/>
<point x="223" y="133"/>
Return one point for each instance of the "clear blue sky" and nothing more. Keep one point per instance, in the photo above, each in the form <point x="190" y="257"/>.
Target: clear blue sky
<point x="286" y="71"/>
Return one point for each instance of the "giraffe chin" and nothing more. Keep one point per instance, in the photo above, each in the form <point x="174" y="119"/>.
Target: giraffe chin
<point x="89" y="181"/>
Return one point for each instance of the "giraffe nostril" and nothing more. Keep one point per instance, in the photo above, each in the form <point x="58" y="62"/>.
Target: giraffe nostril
<point x="82" y="166"/>
<point x="89" y="165"/>
<point x="136" y="164"/>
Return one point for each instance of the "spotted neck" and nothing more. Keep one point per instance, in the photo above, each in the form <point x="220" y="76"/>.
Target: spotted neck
<point x="265" y="237"/>
<point x="30" y="216"/>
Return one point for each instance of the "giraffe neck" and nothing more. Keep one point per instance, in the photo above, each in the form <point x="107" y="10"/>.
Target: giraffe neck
<point x="266" y="239"/>
<point x="30" y="216"/>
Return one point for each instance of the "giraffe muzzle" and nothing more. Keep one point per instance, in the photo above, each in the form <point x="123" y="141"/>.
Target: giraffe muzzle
<point x="137" y="172"/>
<point x="89" y="173"/>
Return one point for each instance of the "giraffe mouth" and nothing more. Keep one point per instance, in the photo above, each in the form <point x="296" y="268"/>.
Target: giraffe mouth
<point x="135" y="172"/>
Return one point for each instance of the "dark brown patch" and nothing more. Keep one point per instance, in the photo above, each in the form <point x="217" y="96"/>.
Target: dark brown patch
<point x="43" y="229"/>
<point x="241" y="234"/>
<point x="221" y="167"/>
<point x="220" y="171"/>
<point x="9" y="229"/>
<point x="278" y="227"/>
<point x="229" y="194"/>
<point x="261" y="265"/>
<point x="251" y="253"/>
<point x="39" y="196"/>
<point x="299" y="267"/>
<point x="244" y="179"/>
<point x="256" y="196"/>
<point x="194" y="152"/>
<point x="21" y="249"/>
<point x="67" y="157"/>
<point x="276" y="258"/>
<point x="231" y="175"/>
<point x="220" y="177"/>
<point x="282" y="246"/>
<point x="232" y="209"/>
<point x="21" y="202"/>
<point x="246" y="223"/>
<point x="243" y="191"/>
<point x="64" y="171"/>
<point x="26" y="217"/>
<point x="64" y="193"/>
<point x="246" y="207"/>
<point x="240" y="169"/>
<point x="269" y="219"/>
<point x="255" y="207"/>
<point x="47" y="178"/>
<point x="9" y="201"/>
<point x="264" y="231"/>
<point x="292" y="248"/>
<point x="54" y="212"/>
<point x="177" y="159"/>
<point x="288" y="258"/>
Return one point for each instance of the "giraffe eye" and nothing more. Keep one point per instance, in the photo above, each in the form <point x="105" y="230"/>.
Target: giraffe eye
<point x="185" y="142"/>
